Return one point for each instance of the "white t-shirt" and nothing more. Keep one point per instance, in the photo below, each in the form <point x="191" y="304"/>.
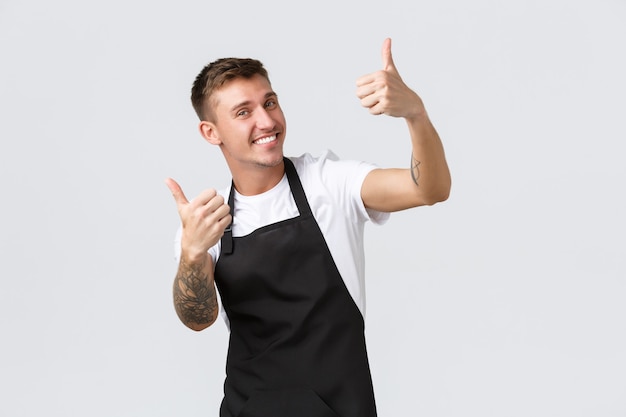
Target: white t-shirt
<point x="333" y="190"/>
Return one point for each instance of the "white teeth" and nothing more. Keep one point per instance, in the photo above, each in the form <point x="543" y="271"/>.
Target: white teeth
<point x="265" y="140"/>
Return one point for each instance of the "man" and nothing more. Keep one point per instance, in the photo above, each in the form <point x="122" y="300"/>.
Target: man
<point x="286" y="252"/>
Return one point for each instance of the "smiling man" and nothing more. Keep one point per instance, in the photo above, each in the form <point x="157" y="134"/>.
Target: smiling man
<point x="283" y="245"/>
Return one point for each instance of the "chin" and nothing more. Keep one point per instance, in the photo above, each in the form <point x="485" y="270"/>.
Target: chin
<point x="274" y="159"/>
<point x="272" y="162"/>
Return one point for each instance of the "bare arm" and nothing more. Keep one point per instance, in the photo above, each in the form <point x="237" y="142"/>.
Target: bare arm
<point x="204" y="220"/>
<point x="195" y="298"/>
<point x="426" y="180"/>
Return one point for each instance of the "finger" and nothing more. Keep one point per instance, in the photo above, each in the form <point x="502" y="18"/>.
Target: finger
<point x="225" y="221"/>
<point x="370" y="101"/>
<point x="211" y="210"/>
<point x="365" y="90"/>
<point x="177" y="192"/>
<point x="388" y="64"/>
<point x="377" y="109"/>
<point x="365" y="79"/>
<point x="207" y="196"/>
<point x="221" y="213"/>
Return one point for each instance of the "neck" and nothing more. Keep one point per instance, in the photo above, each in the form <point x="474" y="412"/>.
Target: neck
<point x="257" y="179"/>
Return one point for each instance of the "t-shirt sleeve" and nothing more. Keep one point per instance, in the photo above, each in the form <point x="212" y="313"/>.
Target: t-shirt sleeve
<point x="177" y="244"/>
<point x="362" y="170"/>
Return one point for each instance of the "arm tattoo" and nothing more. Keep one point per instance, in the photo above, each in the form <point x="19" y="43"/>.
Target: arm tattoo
<point x="415" y="170"/>
<point x="194" y="297"/>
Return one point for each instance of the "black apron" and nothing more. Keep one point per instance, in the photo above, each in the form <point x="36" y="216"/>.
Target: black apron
<point x="297" y="344"/>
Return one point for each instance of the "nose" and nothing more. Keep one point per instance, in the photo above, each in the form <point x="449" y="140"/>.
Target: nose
<point x="264" y="120"/>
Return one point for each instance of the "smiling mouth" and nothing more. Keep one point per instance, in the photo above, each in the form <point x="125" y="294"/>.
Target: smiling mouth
<point x="265" y="140"/>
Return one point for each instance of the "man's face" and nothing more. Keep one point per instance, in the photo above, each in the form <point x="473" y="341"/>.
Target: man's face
<point x="249" y="123"/>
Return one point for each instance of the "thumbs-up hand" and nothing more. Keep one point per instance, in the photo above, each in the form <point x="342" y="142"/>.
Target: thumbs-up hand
<point x="384" y="92"/>
<point x="204" y="220"/>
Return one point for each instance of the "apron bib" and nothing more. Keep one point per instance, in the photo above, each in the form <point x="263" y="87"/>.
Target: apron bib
<point x="297" y="344"/>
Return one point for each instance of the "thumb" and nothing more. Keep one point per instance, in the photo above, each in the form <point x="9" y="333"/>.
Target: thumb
<point x="388" y="64"/>
<point x="177" y="192"/>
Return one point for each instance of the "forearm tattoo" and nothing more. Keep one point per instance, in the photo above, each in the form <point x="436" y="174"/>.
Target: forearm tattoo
<point x="415" y="170"/>
<point x="194" y="296"/>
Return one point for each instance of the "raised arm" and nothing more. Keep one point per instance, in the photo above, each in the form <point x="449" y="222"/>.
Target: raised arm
<point x="204" y="220"/>
<point x="426" y="180"/>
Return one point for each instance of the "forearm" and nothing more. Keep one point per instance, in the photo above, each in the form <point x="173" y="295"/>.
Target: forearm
<point x="428" y="166"/>
<point x="195" y="297"/>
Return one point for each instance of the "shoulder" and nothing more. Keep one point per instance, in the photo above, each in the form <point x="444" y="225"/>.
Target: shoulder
<point x="308" y="161"/>
<point x="330" y="166"/>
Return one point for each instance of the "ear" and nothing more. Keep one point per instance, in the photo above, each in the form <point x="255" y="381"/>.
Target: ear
<point x="209" y="132"/>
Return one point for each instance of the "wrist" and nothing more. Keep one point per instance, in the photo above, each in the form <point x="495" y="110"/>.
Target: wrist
<point x="193" y="256"/>
<point x="418" y="115"/>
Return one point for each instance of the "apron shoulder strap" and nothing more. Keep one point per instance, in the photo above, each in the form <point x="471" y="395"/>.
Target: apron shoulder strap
<point x="227" y="239"/>
<point x="296" y="189"/>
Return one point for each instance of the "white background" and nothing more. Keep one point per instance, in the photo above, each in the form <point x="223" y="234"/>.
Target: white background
<point x="507" y="300"/>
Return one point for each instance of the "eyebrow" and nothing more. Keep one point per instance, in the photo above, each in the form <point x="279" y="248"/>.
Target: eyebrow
<point x="247" y="102"/>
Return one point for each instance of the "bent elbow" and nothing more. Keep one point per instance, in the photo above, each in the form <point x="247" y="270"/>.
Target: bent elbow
<point x="437" y="196"/>
<point x="197" y="322"/>
<point x="443" y="196"/>
<point x="197" y="327"/>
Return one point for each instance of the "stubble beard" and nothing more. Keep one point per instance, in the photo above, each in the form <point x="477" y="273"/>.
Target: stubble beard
<point x="269" y="163"/>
